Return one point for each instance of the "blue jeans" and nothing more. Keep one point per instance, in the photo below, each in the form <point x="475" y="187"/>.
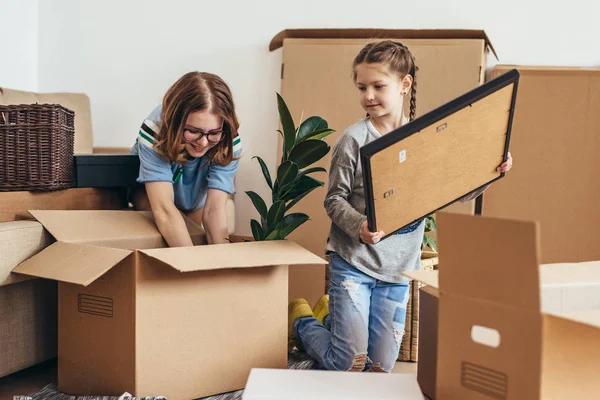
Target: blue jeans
<point x="366" y="322"/>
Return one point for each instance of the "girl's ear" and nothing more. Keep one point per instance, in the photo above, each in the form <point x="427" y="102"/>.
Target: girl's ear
<point x="407" y="82"/>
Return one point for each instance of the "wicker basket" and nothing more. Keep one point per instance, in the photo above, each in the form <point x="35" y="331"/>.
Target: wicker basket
<point x="36" y="147"/>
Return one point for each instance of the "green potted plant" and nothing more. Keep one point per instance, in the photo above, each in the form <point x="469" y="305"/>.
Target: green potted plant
<point x="428" y="240"/>
<point x="303" y="145"/>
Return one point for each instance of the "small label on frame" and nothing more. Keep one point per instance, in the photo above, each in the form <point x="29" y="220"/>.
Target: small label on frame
<point x="441" y="127"/>
<point x="402" y="156"/>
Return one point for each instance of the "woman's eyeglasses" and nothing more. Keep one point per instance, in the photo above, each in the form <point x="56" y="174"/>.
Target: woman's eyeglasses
<point x="193" y="135"/>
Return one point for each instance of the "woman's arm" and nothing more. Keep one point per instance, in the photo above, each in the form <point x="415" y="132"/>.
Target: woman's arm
<point x="168" y="218"/>
<point x="214" y="217"/>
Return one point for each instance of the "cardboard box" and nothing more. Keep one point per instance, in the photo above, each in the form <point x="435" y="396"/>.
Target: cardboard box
<point x="428" y="337"/>
<point x="316" y="75"/>
<point x="554" y="180"/>
<point x="495" y="340"/>
<point x="182" y="322"/>
<point x="564" y="287"/>
<point x="570" y="287"/>
<point x="270" y="384"/>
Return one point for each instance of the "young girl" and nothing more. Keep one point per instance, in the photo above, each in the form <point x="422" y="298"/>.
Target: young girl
<point x="360" y="324"/>
<point x="189" y="149"/>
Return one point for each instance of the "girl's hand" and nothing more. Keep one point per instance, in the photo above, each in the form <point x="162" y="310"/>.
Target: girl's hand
<point x="368" y="236"/>
<point x="507" y="165"/>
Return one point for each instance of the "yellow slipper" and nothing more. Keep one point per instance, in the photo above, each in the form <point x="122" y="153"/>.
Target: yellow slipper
<point x="298" y="308"/>
<point x="321" y="309"/>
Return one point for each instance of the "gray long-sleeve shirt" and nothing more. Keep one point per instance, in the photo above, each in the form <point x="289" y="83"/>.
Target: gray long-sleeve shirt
<point x="345" y="205"/>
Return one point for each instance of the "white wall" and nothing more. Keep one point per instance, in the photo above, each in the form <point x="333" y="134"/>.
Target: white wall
<point x="19" y="44"/>
<point x="125" y="54"/>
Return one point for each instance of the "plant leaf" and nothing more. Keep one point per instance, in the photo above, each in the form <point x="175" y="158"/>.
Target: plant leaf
<point x="287" y="225"/>
<point x="317" y="135"/>
<point x="284" y="154"/>
<point x="276" y="213"/>
<point x="290" y="223"/>
<point x="311" y="170"/>
<point x="286" y="173"/>
<point x="274" y="235"/>
<point x="256" y="230"/>
<point x="309" y="152"/>
<point x="298" y="188"/>
<point x="309" y="126"/>
<point x="425" y="241"/>
<point x="259" y="203"/>
<point x="433" y="244"/>
<point x="302" y="174"/>
<point x="298" y="198"/>
<point x="289" y="130"/>
<point x="265" y="171"/>
<point x="427" y="225"/>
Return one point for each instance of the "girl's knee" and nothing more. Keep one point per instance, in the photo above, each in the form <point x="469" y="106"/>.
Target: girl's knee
<point x="378" y="368"/>
<point x="354" y="363"/>
<point x="383" y="364"/>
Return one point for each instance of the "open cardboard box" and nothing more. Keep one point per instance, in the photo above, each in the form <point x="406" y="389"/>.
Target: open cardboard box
<point x="495" y="340"/>
<point x="183" y="322"/>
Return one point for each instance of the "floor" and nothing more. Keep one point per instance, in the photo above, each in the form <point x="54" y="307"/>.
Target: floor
<point x="29" y="380"/>
<point x="35" y="378"/>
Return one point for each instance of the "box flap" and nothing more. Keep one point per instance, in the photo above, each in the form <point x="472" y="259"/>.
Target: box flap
<point x="489" y="259"/>
<point x="429" y="278"/>
<point x="234" y="255"/>
<point x="369" y="33"/>
<point x="109" y="228"/>
<point x="73" y="263"/>
<point x="586" y="317"/>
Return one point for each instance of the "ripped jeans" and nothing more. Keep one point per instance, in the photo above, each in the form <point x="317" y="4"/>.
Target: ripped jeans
<point x="366" y="322"/>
